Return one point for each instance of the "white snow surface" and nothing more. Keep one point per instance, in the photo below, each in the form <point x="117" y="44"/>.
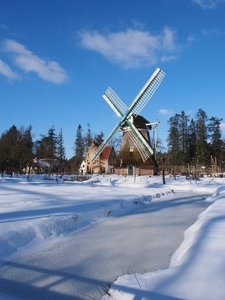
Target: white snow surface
<point x="44" y="209"/>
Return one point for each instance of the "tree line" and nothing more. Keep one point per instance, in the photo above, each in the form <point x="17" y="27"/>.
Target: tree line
<point x="195" y="141"/>
<point x="18" y="146"/>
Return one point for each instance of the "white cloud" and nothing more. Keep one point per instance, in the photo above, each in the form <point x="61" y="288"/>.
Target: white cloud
<point x="165" y="111"/>
<point x="208" y="4"/>
<point x="6" y="71"/>
<point x="28" y="62"/>
<point x="132" y="48"/>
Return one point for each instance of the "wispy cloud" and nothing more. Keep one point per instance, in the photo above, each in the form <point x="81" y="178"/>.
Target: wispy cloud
<point x="208" y="4"/>
<point x="132" y="48"/>
<point x="6" y="71"/>
<point x="212" y="32"/>
<point x="3" y="26"/>
<point x="29" y="62"/>
<point x="165" y="111"/>
<point x="191" y="38"/>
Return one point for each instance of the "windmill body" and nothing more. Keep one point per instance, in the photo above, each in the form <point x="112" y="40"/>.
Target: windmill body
<point x="140" y="123"/>
<point x="129" y="156"/>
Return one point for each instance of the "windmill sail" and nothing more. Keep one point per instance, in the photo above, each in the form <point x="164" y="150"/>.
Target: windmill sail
<point x="147" y="91"/>
<point x="115" y="102"/>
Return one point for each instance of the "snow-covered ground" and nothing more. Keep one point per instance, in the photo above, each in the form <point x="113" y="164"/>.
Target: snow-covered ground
<point x="41" y="210"/>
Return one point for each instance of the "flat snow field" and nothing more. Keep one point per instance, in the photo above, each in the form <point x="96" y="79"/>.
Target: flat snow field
<point x="137" y="229"/>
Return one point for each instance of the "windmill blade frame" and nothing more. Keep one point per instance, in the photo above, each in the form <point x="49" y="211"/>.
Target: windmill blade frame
<point x="142" y="151"/>
<point x="147" y="92"/>
<point x="139" y="141"/>
<point x="115" y="102"/>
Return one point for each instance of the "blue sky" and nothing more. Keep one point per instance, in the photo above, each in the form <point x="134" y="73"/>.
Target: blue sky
<point x="58" y="57"/>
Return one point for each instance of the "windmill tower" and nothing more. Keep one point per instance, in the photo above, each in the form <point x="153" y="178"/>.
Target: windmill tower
<point x="129" y="116"/>
<point x="129" y="154"/>
<point x="140" y="123"/>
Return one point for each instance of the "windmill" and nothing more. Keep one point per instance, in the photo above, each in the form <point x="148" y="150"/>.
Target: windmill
<point x="127" y="115"/>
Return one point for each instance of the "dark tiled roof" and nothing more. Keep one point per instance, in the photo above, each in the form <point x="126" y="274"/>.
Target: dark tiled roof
<point x="106" y="152"/>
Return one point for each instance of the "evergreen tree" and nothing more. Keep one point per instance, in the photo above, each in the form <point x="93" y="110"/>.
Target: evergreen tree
<point x="173" y="140"/>
<point x="183" y="138"/>
<point x="39" y="148"/>
<point x="202" y="149"/>
<point x="192" y="142"/>
<point x="46" y="147"/>
<point x="222" y="158"/>
<point x="61" y="153"/>
<point x="79" y="145"/>
<point x="52" y="143"/>
<point x="25" y="153"/>
<point x="11" y="143"/>
<point x="87" y="139"/>
<point x="17" y="145"/>
<point x="215" y="137"/>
